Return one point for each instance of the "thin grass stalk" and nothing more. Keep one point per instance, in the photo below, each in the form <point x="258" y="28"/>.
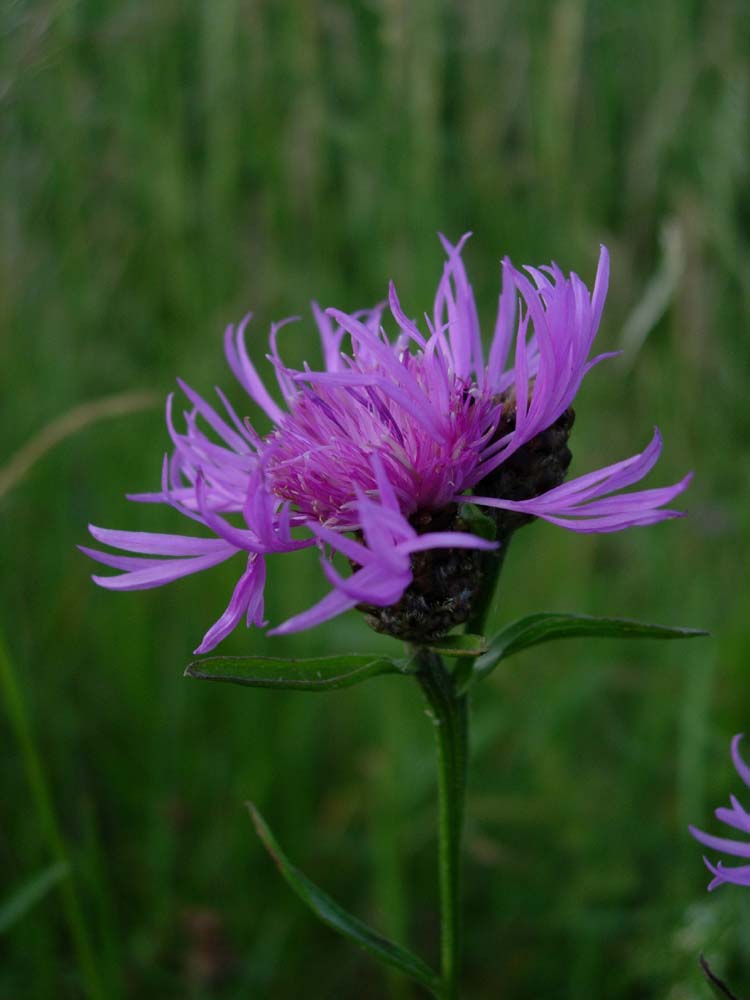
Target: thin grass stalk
<point x="48" y="823"/>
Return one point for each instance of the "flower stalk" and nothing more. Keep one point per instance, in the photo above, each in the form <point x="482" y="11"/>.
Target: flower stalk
<point x="449" y="711"/>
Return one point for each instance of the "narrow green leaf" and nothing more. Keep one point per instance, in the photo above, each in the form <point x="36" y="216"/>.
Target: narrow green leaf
<point x="459" y="645"/>
<point x="546" y="626"/>
<point x="29" y="894"/>
<point x="329" y="911"/>
<point x="325" y="673"/>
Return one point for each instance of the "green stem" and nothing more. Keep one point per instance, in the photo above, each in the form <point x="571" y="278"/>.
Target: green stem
<point x="450" y="717"/>
<point x="388" y="856"/>
<point x="48" y="824"/>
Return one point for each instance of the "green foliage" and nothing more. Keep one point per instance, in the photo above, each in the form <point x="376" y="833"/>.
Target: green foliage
<point x="459" y="645"/>
<point x="320" y="673"/>
<point x="547" y="626"/>
<point x="334" y="916"/>
<point x="166" y="167"/>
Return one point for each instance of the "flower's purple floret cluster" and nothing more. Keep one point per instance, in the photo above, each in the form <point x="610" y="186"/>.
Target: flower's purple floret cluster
<point x="388" y="431"/>
<point x="736" y="817"/>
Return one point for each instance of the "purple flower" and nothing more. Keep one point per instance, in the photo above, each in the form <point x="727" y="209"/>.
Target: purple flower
<point x="736" y="817"/>
<point x="375" y="456"/>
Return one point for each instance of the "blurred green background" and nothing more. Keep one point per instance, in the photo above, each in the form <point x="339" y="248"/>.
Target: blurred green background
<point x="166" y="167"/>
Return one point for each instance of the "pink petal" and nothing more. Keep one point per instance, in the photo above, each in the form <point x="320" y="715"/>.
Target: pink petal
<point x="736" y="817"/>
<point x="448" y="540"/>
<point x="212" y="418"/>
<point x="727" y="875"/>
<point x="333" y="604"/>
<point x="151" y="543"/>
<point x="402" y="319"/>
<point x="352" y="550"/>
<point x="164" y="572"/>
<point x="126" y="563"/>
<point x="245" y="372"/>
<point x="736" y="847"/>
<point x="247" y="592"/>
<point x="503" y="335"/>
<point x="370" y="585"/>
<point x="741" y="767"/>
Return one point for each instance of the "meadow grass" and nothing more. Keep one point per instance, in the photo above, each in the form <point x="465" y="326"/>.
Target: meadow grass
<point x="166" y="167"/>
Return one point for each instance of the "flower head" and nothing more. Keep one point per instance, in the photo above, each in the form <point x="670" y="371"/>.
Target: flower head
<point x="737" y="817"/>
<point x="376" y="455"/>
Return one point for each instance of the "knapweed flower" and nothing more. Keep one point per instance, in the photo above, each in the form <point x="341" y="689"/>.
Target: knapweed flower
<point x="737" y="817"/>
<point x="377" y="455"/>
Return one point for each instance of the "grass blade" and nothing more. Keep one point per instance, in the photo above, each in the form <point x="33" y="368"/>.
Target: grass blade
<point x="29" y="894"/>
<point x="47" y="819"/>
